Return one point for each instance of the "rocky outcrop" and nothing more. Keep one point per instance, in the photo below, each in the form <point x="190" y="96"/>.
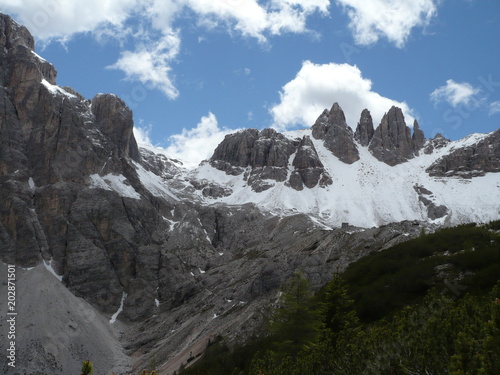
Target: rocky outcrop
<point x="364" y="130"/>
<point x="426" y="197"/>
<point x="52" y="141"/>
<point x="392" y="141"/>
<point x="331" y="127"/>
<point x="418" y="138"/>
<point x="21" y="65"/>
<point x="309" y="170"/>
<point x="471" y="160"/>
<point x="114" y="120"/>
<point x="262" y="155"/>
<point x="160" y="164"/>
<point x="435" y="143"/>
<point x="234" y="153"/>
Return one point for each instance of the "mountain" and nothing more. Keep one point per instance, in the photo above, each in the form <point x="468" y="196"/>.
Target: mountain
<point x="367" y="178"/>
<point x="113" y="238"/>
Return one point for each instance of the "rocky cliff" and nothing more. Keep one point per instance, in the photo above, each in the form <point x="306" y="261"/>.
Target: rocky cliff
<point x="392" y="141"/>
<point x="364" y="130"/>
<point x="265" y="156"/>
<point x="331" y="127"/>
<point x="480" y="156"/>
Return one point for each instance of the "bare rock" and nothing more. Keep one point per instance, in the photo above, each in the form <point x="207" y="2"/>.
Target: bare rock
<point x="473" y="160"/>
<point x="435" y="143"/>
<point x="426" y="197"/>
<point x="114" y="119"/>
<point x="364" y="130"/>
<point x="391" y="142"/>
<point x="261" y="155"/>
<point x="331" y="127"/>
<point x="418" y="138"/>
<point x="309" y="170"/>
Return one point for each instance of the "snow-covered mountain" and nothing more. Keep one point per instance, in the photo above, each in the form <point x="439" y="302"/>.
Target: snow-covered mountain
<point x="406" y="178"/>
<point x="368" y="192"/>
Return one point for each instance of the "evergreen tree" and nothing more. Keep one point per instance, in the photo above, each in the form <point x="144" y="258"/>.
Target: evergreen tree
<point x="295" y="323"/>
<point x="491" y="344"/>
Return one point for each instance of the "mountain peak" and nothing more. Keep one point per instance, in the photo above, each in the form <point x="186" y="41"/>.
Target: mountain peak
<point x="364" y="130"/>
<point x="337" y="136"/>
<point x="392" y="142"/>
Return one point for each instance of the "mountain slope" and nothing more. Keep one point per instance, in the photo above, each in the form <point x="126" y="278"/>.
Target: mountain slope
<point x="368" y="192"/>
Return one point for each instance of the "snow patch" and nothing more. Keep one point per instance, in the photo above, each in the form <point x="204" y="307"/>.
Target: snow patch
<point x="38" y="56"/>
<point x="31" y="184"/>
<point x="48" y="266"/>
<point x="172" y="223"/>
<point x="120" y="309"/>
<point x="56" y="90"/>
<point x="157" y="303"/>
<point x="470" y="140"/>
<point x="154" y="183"/>
<point x="117" y="183"/>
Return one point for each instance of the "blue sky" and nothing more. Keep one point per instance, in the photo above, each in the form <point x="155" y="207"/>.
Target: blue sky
<point x="194" y="70"/>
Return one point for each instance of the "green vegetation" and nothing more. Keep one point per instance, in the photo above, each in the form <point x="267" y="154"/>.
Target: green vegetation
<point x="427" y="306"/>
<point x="87" y="368"/>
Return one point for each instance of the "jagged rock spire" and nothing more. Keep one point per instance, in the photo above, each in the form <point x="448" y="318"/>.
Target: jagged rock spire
<point x="418" y="138"/>
<point x="364" y="130"/>
<point x="331" y="127"/>
<point x="309" y="170"/>
<point x="391" y="142"/>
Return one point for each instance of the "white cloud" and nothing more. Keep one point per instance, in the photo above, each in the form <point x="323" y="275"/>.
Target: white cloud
<point x="456" y="93"/>
<point x="197" y="144"/>
<point x="494" y="107"/>
<point x="191" y="146"/>
<point x="392" y="19"/>
<point x="142" y="136"/>
<point x="150" y="63"/>
<point x="136" y="21"/>
<point x="254" y="19"/>
<point x="318" y="86"/>
<point x="61" y="19"/>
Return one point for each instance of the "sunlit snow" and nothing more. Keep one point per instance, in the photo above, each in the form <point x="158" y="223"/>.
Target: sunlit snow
<point x="120" y="309"/>
<point x="370" y="193"/>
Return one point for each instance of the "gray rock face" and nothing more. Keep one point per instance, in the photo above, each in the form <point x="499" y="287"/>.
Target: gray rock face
<point x="114" y="120"/>
<point x="309" y="170"/>
<point x="234" y="153"/>
<point x="426" y="197"/>
<point x="264" y="156"/>
<point x="418" y="138"/>
<point x="261" y="155"/>
<point x="364" y="130"/>
<point x="435" y="143"/>
<point x="338" y="137"/>
<point x="159" y="164"/>
<point x="470" y="161"/>
<point x="391" y="142"/>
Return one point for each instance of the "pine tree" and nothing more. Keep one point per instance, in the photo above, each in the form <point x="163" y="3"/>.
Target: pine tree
<point x="295" y="323"/>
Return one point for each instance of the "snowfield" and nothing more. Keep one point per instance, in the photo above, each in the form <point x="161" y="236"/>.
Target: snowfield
<point x="368" y="192"/>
